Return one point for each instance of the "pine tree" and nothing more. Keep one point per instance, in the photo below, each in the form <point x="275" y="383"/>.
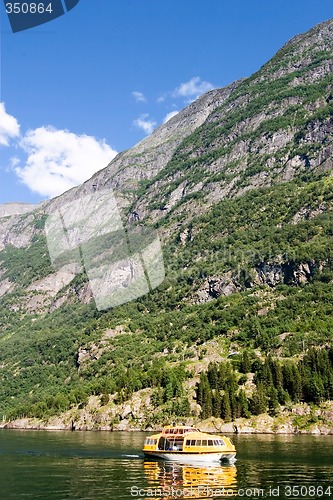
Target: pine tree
<point x="258" y="403"/>
<point x="212" y="375"/>
<point x="204" y="396"/>
<point x="225" y="407"/>
<point x="245" y="364"/>
<point x="314" y="390"/>
<point x="266" y="374"/>
<point x="296" y="384"/>
<point x="276" y="370"/>
<point x="292" y="381"/>
<point x="233" y="404"/>
<point x="273" y="401"/>
<point x="216" y="404"/>
<point x="243" y="404"/>
<point x="207" y="405"/>
<point x="222" y="376"/>
<point x="283" y="396"/>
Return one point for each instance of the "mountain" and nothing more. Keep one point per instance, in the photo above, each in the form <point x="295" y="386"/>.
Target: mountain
<point x="238" y="186"/>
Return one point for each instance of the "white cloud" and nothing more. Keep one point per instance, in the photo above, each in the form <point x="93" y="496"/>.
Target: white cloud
<point x="170" y="115"/>
<point x="59" y="160"/>
<point x="14" y="161"/>
<point x="9" y="127"/>
<point x="193" y="88"/>
<point x="145" y="124"/>
<point x="139" y="96"/>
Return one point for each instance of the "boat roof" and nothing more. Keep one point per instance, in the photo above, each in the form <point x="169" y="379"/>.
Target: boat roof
<point x="181" y="430"/>
<point x="178" y="427"/>
<point x="195" y="434"/>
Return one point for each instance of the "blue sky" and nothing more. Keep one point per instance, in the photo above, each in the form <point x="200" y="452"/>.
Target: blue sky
<point x="97" y="80"/>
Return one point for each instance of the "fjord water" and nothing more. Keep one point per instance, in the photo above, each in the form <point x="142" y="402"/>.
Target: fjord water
<point x="58" y="465"/>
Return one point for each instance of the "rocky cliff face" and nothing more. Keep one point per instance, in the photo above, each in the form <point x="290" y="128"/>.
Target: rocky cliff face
<point x="273" y="127"/>
<point x="239" y="186"/>
<point x="9" y="209"/>
<point x="123" y="175"/>
<point x="268" y="129"/>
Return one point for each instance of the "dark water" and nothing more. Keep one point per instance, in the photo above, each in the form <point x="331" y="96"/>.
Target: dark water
<point x="104" y="465"/>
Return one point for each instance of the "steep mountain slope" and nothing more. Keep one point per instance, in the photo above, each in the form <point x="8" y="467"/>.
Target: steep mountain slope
<point x="239" y="186"/>
<point x="274" y="126"/>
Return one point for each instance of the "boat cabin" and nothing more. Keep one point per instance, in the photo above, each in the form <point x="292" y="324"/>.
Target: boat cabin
<point x="185" y="439"/>
<point x="177" y="431"/>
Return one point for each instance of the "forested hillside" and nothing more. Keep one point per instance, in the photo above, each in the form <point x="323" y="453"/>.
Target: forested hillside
<point x="239" y="187"/>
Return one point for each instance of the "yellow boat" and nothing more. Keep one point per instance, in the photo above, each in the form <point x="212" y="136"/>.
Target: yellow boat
<point x="187" y="444"/>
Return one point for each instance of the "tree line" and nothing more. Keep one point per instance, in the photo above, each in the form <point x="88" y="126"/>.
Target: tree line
<point x="221" y="391"/>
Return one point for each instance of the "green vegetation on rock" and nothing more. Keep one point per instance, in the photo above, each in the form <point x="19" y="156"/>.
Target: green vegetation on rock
<point x="242" y="324"/>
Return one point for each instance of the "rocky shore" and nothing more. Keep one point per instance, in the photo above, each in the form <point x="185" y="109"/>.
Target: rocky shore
<point x="299" y="419"/>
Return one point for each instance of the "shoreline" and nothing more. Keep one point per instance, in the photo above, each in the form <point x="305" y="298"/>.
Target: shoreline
<point x="264" y="424"/>
<point x="280" y="432"/>
<point x="300" y="418"/>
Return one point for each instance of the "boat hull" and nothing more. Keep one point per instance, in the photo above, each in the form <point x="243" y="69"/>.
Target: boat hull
<point x="191" y="457"/>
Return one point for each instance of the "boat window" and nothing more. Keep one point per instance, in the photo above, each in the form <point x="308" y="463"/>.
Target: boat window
<point x="162" y="443"/>
<point x="216" y="442"/>
<point x="198" y="442"/>
<point x="187" y="442"/>
<point x="151" y="441"/>
<point x="210" y="442"/>
<point x="192" y="442"/>
<point x="221" y="442"/>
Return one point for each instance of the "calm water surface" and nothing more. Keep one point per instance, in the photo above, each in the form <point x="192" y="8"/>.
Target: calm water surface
<point x="105" y="465"/>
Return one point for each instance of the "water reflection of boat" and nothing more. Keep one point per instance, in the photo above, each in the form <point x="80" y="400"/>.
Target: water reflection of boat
<point x="186" y="445"/>
<point x="190" y="481"/>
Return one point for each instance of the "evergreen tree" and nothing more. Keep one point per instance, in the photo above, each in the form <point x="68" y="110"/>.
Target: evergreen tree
<point x="329" y="387"/>
<point x="222" y="376"/>
<point x="283" y="396"/>
<point x="207" y="404"/>
<point x="265" y="375"/>
<point x="233" y="404"/>
<point x="204" y="396"/>
<point x="217" y="404"/>
<point x="292" y="381"/>
<point x="296" y="393"/>
<point x="258" y="403"/>
<point x="181" y="407"/>
<point x="314" y="390"/>
<point x="273" y="401"/>
<point x="330" y="356"/>
<point x="225" y="407"/>
<point x="243" y="404"/>
<point x="212" y="375"/>
<point x="245" y="364"/>
<point x="277" y="374"/>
